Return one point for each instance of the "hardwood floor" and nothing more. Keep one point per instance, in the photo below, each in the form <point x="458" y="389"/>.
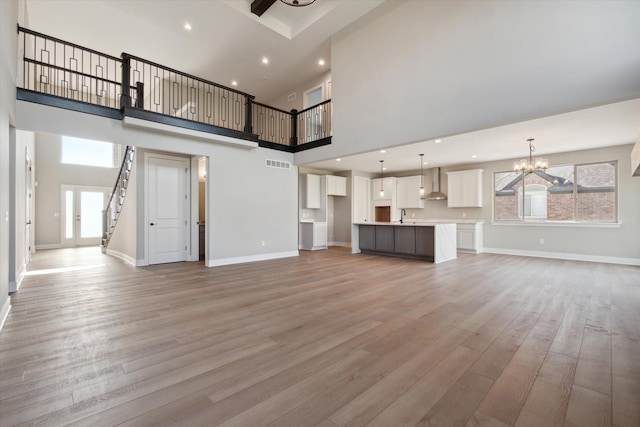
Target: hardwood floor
<point x="326" y="339"/>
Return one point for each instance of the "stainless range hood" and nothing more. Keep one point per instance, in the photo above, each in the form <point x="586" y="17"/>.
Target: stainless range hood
<point x="436" y="194"/>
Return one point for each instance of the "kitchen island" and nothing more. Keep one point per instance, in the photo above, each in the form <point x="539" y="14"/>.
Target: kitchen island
<point x="434" y="242"/>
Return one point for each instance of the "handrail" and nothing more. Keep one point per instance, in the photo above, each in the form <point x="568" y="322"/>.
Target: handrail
<point x="54" y="39"/>
<point x="190" y="76"/>
<point x="111" y="213"/>
<point x="55" y="67"/>
<point x="314" y="106"/>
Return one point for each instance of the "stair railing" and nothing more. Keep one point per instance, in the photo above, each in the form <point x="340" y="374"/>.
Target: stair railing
<point x="111" y="213"/>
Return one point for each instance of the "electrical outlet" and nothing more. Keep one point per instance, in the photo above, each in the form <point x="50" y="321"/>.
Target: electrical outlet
<point x="413" y="215"/>
<point x="542" y="241"/>
<point x="464" y="215"/>
<point x="264" y="243"/>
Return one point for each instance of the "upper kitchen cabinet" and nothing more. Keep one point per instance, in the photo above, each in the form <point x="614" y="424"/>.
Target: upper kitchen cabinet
<point x="336" y="185"/>
<point x="465" y="189"/>
<point x="408" y="192"/>
<point x="312" y="193"/>
<point x="388" y="186"/>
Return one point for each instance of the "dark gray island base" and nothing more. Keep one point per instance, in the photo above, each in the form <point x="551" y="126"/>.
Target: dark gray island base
<point x="429" y="242"/>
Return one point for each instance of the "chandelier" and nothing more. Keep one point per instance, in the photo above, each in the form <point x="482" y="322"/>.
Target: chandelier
<point x="529" y="165"/>
<point x="297" y="3"/>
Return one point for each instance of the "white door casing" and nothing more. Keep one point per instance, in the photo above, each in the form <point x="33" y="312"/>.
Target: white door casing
<point x="82" y="209"/>
<point x="167" y="208"/>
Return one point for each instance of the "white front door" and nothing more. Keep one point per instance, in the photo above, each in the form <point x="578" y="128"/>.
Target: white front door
<point x="167" y="189"/>
<point x="82" y="215"/>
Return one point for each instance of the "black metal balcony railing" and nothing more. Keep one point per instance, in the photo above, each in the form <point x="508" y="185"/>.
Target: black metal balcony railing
<point x="55" y="67"/>
<point x="94" y="82"/>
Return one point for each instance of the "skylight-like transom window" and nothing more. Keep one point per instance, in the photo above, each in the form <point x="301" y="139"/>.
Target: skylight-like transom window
<point x="86" y="152"/>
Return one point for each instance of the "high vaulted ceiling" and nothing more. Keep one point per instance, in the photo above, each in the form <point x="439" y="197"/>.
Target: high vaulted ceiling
<point x="227" y="42"/>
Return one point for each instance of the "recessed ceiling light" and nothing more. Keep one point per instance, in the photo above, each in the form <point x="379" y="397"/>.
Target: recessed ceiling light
<point x="187" y="26"/>
<point x="338" y="160"/>
<point x="426" y="163"/>
<point x="384" y="169"/>
<point x="474" y="156"/>
<point x="321" y="62"/>
<point x="438" y="141"/>
<point x="265" y="60"/>
<point x="383" y="151"/>
<point x="234" y="83"/>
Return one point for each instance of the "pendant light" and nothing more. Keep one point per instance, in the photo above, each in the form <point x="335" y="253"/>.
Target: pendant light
<point x="297" y="3"/>
<point x="381" y="183"/>
<point x="422" y="192"/>
<point x="529" y="165"/>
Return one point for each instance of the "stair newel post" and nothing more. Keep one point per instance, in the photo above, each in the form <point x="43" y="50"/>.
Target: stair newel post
<point x="248" y="114"/>
<point x="125" y="96"/>
<point x="294" y="127"/>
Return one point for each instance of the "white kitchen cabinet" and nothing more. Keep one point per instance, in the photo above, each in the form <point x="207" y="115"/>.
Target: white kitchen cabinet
<point x="336" y="185"/>
<point x="361" y="199"/>
<point x="465" y="189"/>
<point x="408" y="192"/>
<point x="311" y="187"/>
<point x="469" y="237"/>
<point x="313" y="235"/>
<point x="388" y="185"/>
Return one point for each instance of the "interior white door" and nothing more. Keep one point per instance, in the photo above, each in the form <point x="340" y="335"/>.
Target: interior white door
<point x="168" y="209"/>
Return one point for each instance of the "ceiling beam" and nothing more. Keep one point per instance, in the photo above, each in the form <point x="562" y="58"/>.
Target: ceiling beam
<point x="258" y="7"/>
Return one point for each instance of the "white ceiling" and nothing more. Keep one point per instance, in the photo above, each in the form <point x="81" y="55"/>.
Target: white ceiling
<point x="228" y="43"/>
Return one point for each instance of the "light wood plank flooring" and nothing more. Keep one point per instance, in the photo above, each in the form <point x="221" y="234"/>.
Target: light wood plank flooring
<point x="325" y="339"/>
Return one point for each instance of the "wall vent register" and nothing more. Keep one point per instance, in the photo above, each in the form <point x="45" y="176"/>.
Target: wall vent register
<point x="277" y="164"/>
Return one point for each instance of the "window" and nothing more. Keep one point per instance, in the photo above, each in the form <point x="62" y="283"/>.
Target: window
<point x="86" y="152"/>
<point x="576" y="193"/>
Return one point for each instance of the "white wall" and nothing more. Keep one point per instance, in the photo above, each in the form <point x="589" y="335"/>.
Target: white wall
<point x="248" y="202"/>
<point x="8" y="45"/>
<point x="283" y="103"/>
<point x="617" y="244"/>
<point x="51" y="174"/>
<point x="417" y="70"/>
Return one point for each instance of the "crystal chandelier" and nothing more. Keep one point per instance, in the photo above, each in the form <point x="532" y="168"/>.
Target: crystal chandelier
<point x="529" y="165"/>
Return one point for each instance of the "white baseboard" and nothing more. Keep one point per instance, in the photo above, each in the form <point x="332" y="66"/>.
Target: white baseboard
<point x="122" y="256"/>
<point x="251" y="258"/>
<point x="343" y="244"/>
<point x="49" y="246"/>
<point x="564" y="255"/>
<point x="4" y="313"/>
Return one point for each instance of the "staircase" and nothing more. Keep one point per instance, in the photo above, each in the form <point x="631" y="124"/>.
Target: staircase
<point x="112" y="211"/>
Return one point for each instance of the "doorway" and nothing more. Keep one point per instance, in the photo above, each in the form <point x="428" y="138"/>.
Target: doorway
<point x="82" y="215"/>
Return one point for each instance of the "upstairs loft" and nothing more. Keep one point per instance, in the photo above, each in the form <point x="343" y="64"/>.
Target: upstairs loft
<point x="65" y="75"/>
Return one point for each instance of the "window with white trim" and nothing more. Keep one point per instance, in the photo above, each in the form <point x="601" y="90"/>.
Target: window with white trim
<point x="86" y="152"/>
<point x="572" y="193"/>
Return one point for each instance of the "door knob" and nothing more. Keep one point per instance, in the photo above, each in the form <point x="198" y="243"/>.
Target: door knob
<point x="152" y="223"/>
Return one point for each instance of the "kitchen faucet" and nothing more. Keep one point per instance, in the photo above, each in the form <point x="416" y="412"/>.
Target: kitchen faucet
<point x="402" y="214"/>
